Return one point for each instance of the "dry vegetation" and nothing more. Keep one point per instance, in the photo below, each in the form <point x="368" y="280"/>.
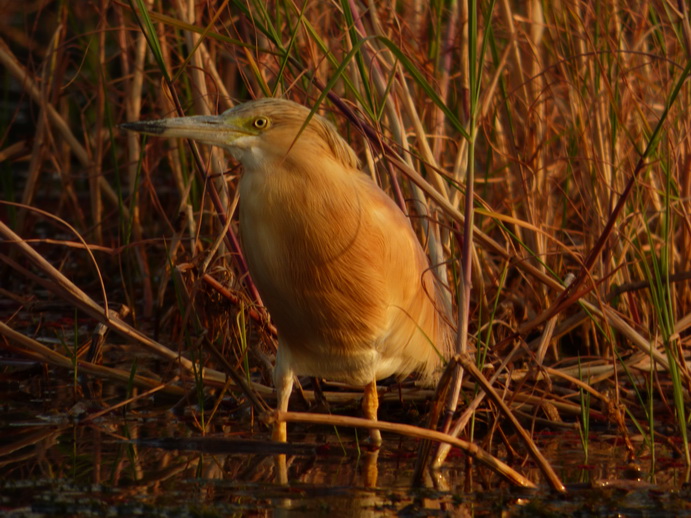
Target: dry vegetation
<point x="570" y="121"/>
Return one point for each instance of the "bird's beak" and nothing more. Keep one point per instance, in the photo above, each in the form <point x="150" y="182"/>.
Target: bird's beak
<point x="216" y="130"/>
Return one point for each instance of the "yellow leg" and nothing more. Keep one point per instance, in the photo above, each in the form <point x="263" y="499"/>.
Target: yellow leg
<point x="370" y="468"/>
<point x="283" y="381"/>
<point x="281" y="469"/>
<point x="370" y="403"/>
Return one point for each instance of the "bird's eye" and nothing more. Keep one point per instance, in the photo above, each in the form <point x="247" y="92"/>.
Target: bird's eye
<point x="260" y="122"/>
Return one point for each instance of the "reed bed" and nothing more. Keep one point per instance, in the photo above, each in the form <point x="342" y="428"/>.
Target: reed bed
<point x="541" y="149"/>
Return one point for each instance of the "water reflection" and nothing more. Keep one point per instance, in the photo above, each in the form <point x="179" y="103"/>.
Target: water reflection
<point x="154" y="461"/>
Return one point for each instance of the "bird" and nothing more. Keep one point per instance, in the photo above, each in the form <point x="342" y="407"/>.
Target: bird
<point x="336" y="262"/>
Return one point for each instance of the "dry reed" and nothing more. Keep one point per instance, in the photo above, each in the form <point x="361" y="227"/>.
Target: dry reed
<point x="573" y="117"/>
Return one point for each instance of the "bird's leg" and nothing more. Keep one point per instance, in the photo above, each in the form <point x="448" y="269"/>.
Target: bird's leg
<point x="370" y="403"/>
<point x="370" y="468"/>
<point x="283" y="381"/>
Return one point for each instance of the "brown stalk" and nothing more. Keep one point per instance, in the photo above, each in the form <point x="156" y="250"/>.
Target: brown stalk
<point x="213" y="193"/>
<point x="33" y="349"/>
<point x="469" y="448"/>
<point x="542" y="463"/>
<point x="10" y="62"/>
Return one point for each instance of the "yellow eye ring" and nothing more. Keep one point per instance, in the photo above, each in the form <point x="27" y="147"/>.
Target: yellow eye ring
<point x="260" y="122"/>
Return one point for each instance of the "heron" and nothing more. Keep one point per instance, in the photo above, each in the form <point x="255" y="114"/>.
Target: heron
<point x="336" y="262"/>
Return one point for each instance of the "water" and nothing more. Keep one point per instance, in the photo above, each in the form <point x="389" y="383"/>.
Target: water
<point x="150" y="458"/>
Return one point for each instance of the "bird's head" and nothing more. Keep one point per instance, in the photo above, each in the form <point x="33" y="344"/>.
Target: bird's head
<point x="257" y="130"/>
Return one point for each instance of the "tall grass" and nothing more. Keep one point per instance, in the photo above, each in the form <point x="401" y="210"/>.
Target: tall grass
<point x="531" y="143"/>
